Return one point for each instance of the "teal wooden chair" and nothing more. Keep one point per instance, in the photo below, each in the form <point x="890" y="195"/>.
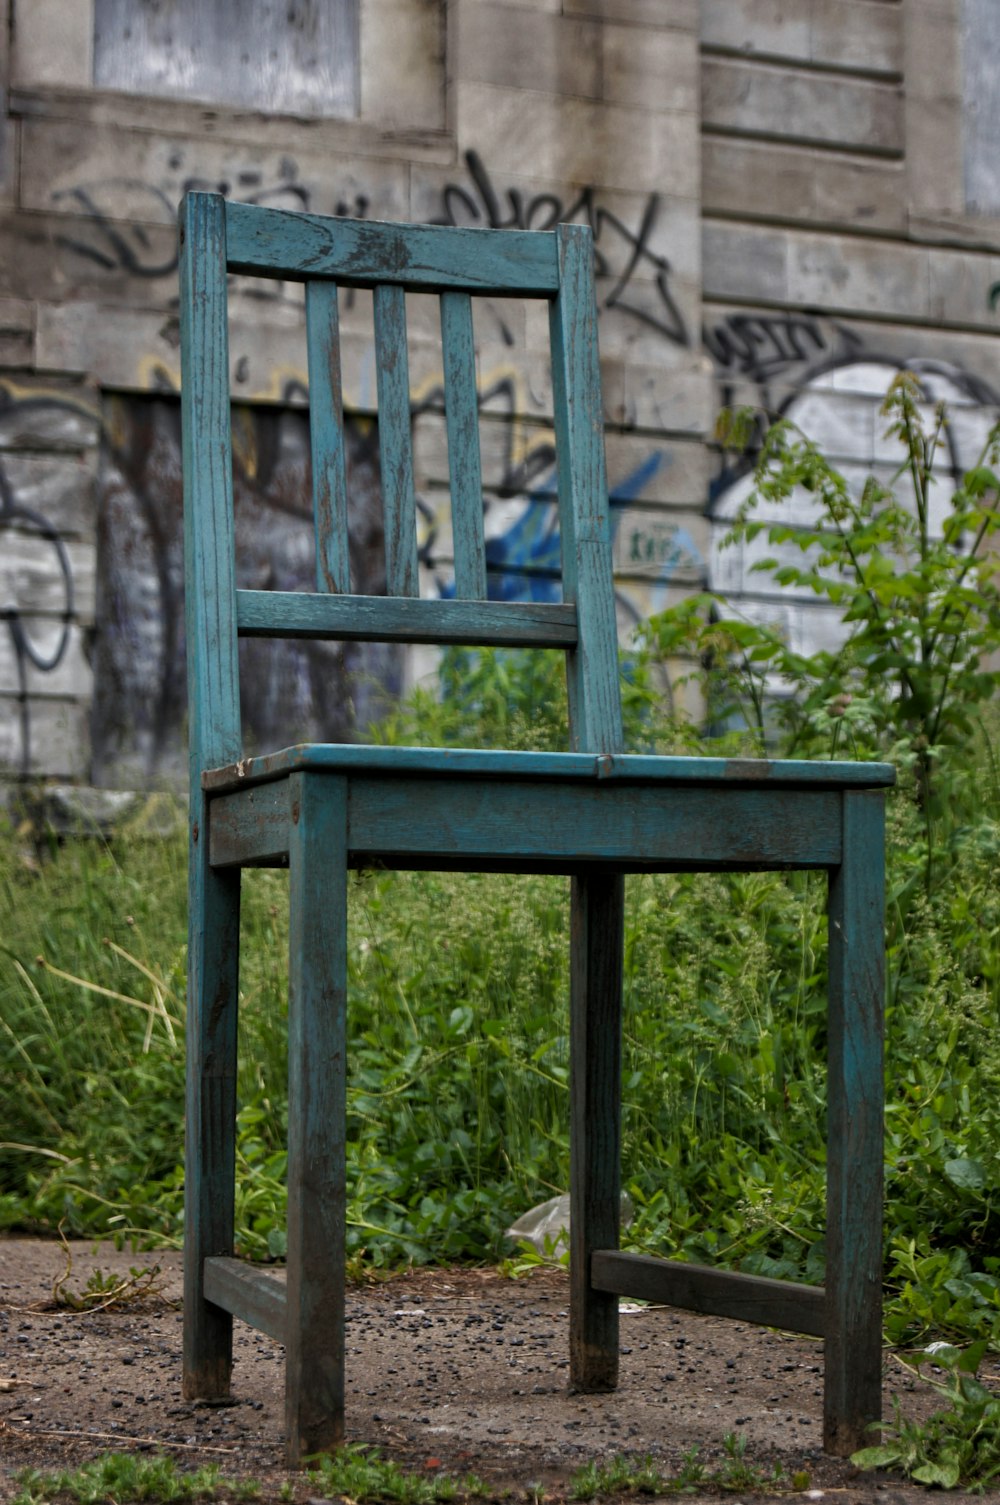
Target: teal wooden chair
<point x="590" y="812"/>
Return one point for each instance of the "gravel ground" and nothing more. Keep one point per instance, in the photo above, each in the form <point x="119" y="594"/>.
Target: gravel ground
<point x="455" y="1369"/>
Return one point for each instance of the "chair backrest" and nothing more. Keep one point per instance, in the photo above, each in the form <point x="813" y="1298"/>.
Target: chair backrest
<point x="217" y="238"/>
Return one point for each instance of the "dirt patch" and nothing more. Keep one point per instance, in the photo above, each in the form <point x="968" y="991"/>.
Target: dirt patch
<point x="459" y="1366"/>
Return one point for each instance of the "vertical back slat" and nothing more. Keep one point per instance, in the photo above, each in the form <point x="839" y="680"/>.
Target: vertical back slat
<point x="464" y="464"/>
<point x="326" y="431"/>
<point x="592" y="667"/>
<point x="210" y="594"/>
<point x="395" y="442"/>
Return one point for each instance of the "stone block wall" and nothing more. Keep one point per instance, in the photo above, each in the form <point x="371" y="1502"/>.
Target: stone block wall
<point x="846" y="234"/>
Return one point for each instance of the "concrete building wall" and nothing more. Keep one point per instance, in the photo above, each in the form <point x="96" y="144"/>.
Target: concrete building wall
<point x="788" y="200"/>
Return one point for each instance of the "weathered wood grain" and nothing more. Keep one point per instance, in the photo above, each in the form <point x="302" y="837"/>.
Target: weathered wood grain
<point x="460" y="822"/>
<point x="213" y="698"/>
<point x="251" y="828"/>
<point x="273" y="243"/>
<point x="210" y="578"/>
<point x="594" y="813"/>
<point x="326" y="436"/>
<point x="462" y="409"/>
<point x="621" y="768"/>
<point x="558" y="827"/>
<point x="395" y="442"/>
<point x="592" y="668"/>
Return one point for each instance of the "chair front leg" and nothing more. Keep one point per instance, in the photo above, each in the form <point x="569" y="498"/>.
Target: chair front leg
<point x="596" y="945"/>
<point x="317" y="1109"/>
<point x="855" y="1091"/>
<point x="210" y="1138"/>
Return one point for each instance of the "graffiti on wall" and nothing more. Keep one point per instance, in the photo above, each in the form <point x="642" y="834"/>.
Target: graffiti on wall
<point x="765" y="346"/>
<point x="620" y="251"/>
<point x="117" y="246"/>
<point x="634" y="277"/>
<point x="289" y="690"/>
<point x="521" y="522"/>
<point x="821" y="377"/>
<point x="28" y="652"/>
<point x="38" y="606"/>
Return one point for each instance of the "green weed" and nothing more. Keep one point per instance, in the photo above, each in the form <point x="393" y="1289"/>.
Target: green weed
<point x="621" y="1475"/>
<point x="361" y="1474"/>
<point x="959" y="1446"/>
<point x="121" y="1479"/>
<point x="355" y="1473"/>
<point x="626" y="1475"/>
<point x="738" y="1473"/>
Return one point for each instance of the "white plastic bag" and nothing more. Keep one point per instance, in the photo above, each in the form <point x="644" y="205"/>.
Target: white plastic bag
<point x="547" y="1225"/>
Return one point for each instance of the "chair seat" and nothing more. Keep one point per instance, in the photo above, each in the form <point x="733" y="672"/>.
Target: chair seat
<point x="489" y="811"/>
<point x="489" y="763"/>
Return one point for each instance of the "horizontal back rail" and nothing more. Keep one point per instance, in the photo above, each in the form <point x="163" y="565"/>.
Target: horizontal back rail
<point x="392" y="619"/>
<point x="361" y="253"/>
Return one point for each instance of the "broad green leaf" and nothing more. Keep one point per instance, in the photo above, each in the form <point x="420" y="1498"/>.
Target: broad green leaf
<point x="965" y="1173"/>
<point x="945" y="1475"/>
<point x="971" y="1358"/>
<point x="973" y="1392"/>
<point x="877" y="1457"/>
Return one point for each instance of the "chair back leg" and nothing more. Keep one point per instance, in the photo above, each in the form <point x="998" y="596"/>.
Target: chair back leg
<point x="210" y="1139"/>
<point x="596" y="959"/>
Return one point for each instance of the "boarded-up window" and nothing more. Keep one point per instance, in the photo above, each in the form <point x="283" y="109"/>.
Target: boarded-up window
<point x="981" y="105"/>
<point x="295" y="57"/>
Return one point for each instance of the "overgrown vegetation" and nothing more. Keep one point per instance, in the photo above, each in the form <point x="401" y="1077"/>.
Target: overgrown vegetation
<point x="121" y="1478"/>
<point x="458" y="1086"/>
<point x="736" y="1473"/>
<point x="958" y="1445"/>
<point x="361" y="1474"/>
<point x="355" y="1473"/>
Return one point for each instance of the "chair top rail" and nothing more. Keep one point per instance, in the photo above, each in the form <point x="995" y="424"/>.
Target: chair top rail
<point x="734" y="773"/>
<point x="360" y="253"/>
